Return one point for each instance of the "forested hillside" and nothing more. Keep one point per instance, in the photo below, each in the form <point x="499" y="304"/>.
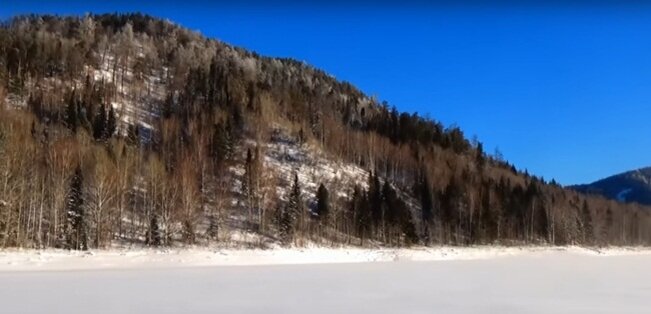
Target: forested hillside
<point x="630" y="187"/>
<point x="120" y="130"/>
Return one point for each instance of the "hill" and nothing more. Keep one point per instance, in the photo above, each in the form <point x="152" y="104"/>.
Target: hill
<point x="131" y="130"/>
<point x="630" y="187"/>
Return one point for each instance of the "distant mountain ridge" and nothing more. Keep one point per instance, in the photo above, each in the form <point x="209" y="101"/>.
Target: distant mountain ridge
<point x="629" y="187"/>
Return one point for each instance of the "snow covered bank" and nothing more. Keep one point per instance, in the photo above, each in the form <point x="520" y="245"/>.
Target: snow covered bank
<point x="47" y="260"/>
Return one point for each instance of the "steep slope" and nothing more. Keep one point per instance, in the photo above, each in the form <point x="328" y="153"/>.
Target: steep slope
<point x="631" y="186"/>
<point x="130" y="130"/>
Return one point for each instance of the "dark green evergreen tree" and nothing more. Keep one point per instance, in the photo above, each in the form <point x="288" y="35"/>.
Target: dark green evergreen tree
<point x="154" y="234"/>
<point x="213" y="227"/>
<point x="426" y="205"/>
<point x="99" y="124"/>
<point x="72" y="117"/>
<point x="426" y="201"/>
<point x="290" y="213"/>
<point x="588" y="231"/>
<point x="608" y="224"/>
<point x="222" y="143"/>
<point x="480" y="158"/>
<point x="323" y="202"/>
<point x="111" y="123"/>
<point x="247" y="180"/>
<point x="76" y="238"/>
<point x="375" y="199"/>
<point x="361" y="214"/>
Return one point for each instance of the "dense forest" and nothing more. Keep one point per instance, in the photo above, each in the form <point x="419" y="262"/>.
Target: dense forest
<point x="131" y="130"/>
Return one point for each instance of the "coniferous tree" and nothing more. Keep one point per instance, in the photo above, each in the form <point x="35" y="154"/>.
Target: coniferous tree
<point x="76" y="238"/>
<point x="213" y="227"/>
<point x="111" y="123"/>
<point x="291" y="212"/>
<point x="154" y="234"/>
<point x="72" y="117"/>
<point x="426" y="201"/>
<point x="426" y="205"/>
<point x="99" y="124"/>
<point x="588" y="232"/>
<point x="222" y="143"/>
<point x="608" y="224"/>
<point x="480" y="159"/>
<point x="188" y="232"/>
<point x="323" y="202"/>
<point x="247" y="180"/>
<point x="389" y="206"/>
<point x="361" y="214"/>
<point x="375" y="199"/>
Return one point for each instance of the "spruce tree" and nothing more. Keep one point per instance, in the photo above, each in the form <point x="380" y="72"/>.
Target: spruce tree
<point x="426" y="202"/>
<point x="375" y="198"/>
<point x="213" y="227"/>
<point x="426" y="205"/>
<point x="99" y="124"/>
<point x="76" y="238"/>
<point x="480" y="159"/>
<point x="323" y="202"/>
<point x="72" y="117"/>
<point x="361" y="213"/>
<point x="154" y="234"/>
<point x="111" y="123"/>
<point x="608" y="224"/>
<point x="291" y="212"/>
<point x="222" y="142"/>
<point x="588" y="232"/>
<point x="247" y="180"/>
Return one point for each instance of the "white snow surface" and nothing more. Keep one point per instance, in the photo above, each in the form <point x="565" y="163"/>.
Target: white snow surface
<point x="59" y="260"/>
<point x="321" y="280"/>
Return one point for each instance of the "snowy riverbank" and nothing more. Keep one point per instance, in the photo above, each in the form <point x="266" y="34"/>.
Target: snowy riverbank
<point x="489" y="280"/>
<point x="35" y="260"/>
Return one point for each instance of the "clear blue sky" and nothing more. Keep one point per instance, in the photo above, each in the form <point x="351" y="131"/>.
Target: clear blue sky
<point x="563" y="90"/>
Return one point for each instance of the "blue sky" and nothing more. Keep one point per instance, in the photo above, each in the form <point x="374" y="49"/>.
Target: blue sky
<point x="563" y="90"/>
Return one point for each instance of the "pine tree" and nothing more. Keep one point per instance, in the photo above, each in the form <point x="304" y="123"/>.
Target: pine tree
<point x="111" y="123"/>
<point x="213" y="227"/>
<point x="588" y="232"/>
<point x="188" y="232"/>
<point x="608" y="224"/>
<point x="247" y="180"/>
<point x="323" y="202"/>
<point x="361" y="213"/>
<point x="426" y="202"/>
<point x="72" y="118"/>
<point x="290" y="213"/>
<point x="480" y="159"/>
<point x="375" y="199"/>
<point x="426" y="205"/>
<point x="154" y="234"/>
<point x="222" y="143"/>
<point x="76" y="238"/>
<point x="99" y="124"/>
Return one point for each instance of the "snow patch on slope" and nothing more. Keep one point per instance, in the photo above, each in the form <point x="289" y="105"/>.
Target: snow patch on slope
<point x="621" y="196"/>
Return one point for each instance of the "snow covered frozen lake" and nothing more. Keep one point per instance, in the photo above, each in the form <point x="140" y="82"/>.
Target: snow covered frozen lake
<point x="537" y="281"/>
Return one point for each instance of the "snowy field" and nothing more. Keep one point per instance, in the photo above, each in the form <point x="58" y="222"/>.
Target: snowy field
<point x="443" y="280"/>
